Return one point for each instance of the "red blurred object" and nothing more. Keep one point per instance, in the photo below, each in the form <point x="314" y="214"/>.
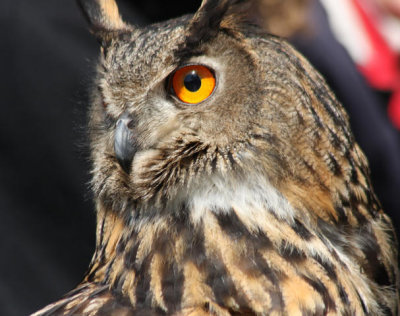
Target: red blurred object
<point x="382" y="69"/>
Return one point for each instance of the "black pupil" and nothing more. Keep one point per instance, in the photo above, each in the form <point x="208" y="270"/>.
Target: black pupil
<point x="192" y="81"/>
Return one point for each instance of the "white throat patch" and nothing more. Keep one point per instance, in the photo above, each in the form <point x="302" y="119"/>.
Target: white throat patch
<point x="250" y="199"/>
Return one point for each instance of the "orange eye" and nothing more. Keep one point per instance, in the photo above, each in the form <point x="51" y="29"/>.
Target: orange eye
<point x="193" y="84"/>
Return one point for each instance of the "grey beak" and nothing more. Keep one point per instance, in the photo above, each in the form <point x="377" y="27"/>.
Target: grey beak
<point x="125" y="145"/>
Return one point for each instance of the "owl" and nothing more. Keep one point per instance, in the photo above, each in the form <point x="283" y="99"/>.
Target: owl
<point x="226" y="178"/>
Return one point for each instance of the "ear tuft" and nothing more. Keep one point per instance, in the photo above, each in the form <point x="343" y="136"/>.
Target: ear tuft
<point x="103" y="16"/>
<point x="207" y="19"/>
<point x="214" y="14"/>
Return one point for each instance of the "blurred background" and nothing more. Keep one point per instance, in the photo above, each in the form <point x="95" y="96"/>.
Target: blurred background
<point x="47" y="57"/>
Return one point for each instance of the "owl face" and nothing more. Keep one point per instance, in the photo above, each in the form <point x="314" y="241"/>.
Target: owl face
<point x="206" y="103"/>
<point x="156" y="96"/>
<point x="143" y="76"/>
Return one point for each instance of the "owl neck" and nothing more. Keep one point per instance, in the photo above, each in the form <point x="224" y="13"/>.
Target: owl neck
<point x="130" y="240"/>
<point x="193" y="235"/>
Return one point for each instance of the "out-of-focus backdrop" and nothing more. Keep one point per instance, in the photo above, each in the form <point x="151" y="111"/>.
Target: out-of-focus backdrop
<point x="47" y="57"/>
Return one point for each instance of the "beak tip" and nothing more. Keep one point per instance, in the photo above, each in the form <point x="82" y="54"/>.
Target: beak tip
<point x="125" y="165"/>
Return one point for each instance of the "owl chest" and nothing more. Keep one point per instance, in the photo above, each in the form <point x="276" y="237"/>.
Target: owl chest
<point x="223" y="268"/>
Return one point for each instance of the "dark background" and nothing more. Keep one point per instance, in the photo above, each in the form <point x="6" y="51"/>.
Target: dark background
<point x="47" y="219"/>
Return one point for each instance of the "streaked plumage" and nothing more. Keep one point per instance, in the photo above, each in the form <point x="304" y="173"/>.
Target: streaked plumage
<point x="256" y="201"/>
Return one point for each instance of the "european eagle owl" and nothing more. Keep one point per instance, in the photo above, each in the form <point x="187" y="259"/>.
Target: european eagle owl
<point x="226" y="178"/>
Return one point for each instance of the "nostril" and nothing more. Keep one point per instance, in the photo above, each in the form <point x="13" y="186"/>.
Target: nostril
<point x="126" y="120"/>
<point x="130" y="124"/>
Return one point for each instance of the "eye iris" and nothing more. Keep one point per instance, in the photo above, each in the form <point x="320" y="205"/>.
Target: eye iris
<point x="192" y="81"/>
<point x="192" y="84"/>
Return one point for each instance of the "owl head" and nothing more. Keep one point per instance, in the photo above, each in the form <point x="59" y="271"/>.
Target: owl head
<point x="205" y="108"/>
